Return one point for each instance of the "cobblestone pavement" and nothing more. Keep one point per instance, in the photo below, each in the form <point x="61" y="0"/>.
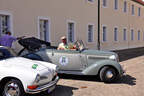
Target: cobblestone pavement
<point x="131" y="84"/>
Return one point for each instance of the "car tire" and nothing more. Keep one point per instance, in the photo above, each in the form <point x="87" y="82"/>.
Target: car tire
<point x="108" y="74"/>
<point x="13" y="88"/>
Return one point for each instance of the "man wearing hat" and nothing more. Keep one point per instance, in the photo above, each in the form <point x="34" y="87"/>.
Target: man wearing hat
<point x="63" y="45"/>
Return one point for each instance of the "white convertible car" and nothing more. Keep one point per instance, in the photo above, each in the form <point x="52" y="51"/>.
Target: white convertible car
<point x="19" y="75"/>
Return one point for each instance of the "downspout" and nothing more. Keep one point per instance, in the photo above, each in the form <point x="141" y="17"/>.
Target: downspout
<point x="98" y="45"/>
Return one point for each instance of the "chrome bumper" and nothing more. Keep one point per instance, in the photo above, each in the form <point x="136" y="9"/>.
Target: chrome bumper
<point x="51" y="85"/>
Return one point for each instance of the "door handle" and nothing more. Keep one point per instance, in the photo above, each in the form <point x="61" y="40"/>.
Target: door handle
<point x="52" y="54"/>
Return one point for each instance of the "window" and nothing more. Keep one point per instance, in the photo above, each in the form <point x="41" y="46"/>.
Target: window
<point x="90" y="33"/>
<point x="124" y="35"/>
<point x="115" y="4"/>
<point x="44" y="29"/>
<point x="133" y="10"/>
<point x="125" y="7"/>
<point x="115" y="34"/>
<point x="104" y="33"/>
<point x="104" y="3"/>
<point x="139" y="35"/>
<point x="132" y="34"/>
<point x="70" y="32"/>
<point x="4" y="24"/>
<point x="91" y="0"/>
<point x="139" y="11"/>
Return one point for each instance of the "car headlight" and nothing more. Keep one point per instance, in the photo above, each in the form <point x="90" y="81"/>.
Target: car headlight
<point x="114" y="57"/>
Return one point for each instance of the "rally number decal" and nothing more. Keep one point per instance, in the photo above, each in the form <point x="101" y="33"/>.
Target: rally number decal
<point x="63" y="60"/>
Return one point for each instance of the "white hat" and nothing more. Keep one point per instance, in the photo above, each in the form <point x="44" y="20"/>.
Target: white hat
<point x="63" y="37"/>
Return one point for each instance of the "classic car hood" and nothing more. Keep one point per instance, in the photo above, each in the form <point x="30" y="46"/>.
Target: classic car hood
<point x="28" y="64"/>
<point x="98" y="52"/>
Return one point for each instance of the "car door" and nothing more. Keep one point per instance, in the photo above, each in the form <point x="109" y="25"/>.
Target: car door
<point x="67" y="59"/>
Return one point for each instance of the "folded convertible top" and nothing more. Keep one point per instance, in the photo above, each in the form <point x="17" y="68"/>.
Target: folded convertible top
<point x="33" y="43"/>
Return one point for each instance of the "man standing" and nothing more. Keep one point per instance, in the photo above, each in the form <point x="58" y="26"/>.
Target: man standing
<point x="7" y="39"/>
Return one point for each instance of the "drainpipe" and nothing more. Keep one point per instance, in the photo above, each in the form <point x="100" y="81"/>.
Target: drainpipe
<point x="98" y="45"/>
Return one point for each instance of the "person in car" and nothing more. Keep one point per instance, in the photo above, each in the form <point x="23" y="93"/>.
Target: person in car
<point x="64" y="45"/>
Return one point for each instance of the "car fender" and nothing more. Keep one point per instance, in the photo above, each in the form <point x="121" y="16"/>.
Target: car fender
<point x="93" y="69"/>
<point x="25" y="77"/>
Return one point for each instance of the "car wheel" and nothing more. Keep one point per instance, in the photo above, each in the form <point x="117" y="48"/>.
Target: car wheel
<point x="13" y="88"/>
<point x="108" y="74"/>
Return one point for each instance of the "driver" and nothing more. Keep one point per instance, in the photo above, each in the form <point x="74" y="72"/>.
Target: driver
<point x="64" y="45"/>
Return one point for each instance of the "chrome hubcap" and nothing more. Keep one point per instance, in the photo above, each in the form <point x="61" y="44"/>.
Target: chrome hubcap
<point x="11" y="89"/>
<point x="109" y="74"/>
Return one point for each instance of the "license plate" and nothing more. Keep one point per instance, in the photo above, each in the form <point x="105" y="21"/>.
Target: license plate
<point x="51" y="88"/>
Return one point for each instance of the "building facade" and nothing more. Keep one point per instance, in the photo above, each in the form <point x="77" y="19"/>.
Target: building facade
<point x="121" y="21"/>
<point x="121" y="24"/>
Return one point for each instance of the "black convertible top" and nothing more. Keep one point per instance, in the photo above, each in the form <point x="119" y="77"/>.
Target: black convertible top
<point x="33" y="43"/>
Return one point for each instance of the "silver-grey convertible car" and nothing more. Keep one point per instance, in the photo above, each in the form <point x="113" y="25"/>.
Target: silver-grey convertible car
<point x="81" y="61"/>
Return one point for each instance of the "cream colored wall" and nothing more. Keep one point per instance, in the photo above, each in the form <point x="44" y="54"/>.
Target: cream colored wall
<point x="25" y="15"/>
<point x="26" y="12"/>
<point x="111" y="18"/>
<point x="136" y="23"/>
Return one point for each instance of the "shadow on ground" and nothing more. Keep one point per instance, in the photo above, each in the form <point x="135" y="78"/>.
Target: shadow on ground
<point x="130" y="53"/>
<point x="80" y="77"/>
<point x="125" y="79"/>
<point x="60" y="90"/>
<point x="127" y="56"/>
